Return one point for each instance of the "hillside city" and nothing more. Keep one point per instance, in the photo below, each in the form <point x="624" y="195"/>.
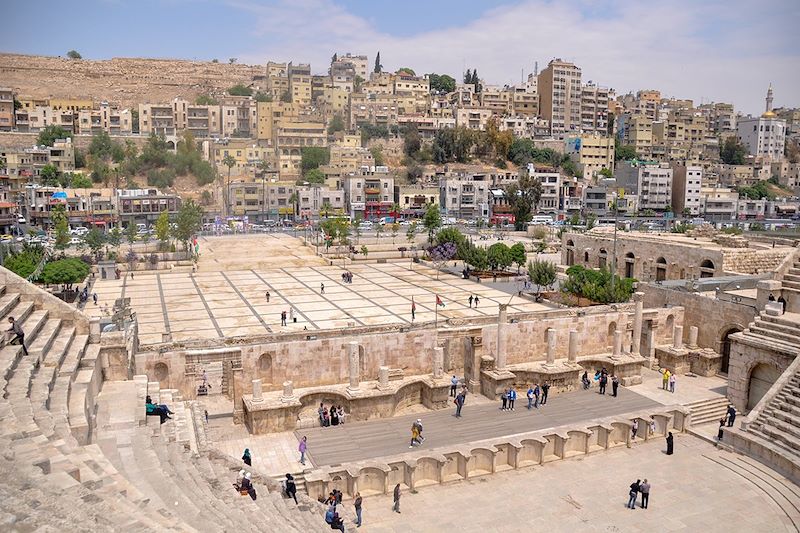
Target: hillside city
<point x="293" y="146"/>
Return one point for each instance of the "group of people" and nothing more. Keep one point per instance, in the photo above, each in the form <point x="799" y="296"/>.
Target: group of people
<point x="332" y="517"/>
<point x="83" y="297"/>
<point x="347" y="277"/>
<point x="602" y="378"/>
<point x="668" y="380"/>
<point x="159" y="410"/>
<point x="244" y="485"/>
<point x="536" y="393"/>
<point x="290" y="315"/>
<point x="416" y="433"/>
<point x="727" y="420"/>
<point x="781" y="300"/>
<point x="333" y="417"/>
<point x="458" y="398"/>
<point x="474" y="299"/>
<point x="639" y="487"/>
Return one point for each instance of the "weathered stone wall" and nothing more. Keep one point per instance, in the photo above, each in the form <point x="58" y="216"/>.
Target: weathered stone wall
<point x="746" y="354"/>
<point x="749" y="261"/>
<point x="713" y="317"/>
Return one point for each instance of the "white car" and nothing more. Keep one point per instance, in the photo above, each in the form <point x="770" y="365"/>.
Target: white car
<point x="21" y="220"/>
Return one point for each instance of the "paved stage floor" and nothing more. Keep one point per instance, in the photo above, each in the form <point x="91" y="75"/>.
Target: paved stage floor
<point x="391" y="436"/>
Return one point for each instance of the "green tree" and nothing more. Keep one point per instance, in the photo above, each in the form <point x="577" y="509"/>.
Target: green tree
<point x="50" y="134"/>
<point x="499" y="256"/>
<point x="523" y="197"/>
<point x="336" y="124"/>
<point x="115" y="237"/>
<point x="73" y="54"/>
<point x="69" y="271"/>
<point x="432" y="220"/>
<point x="414" y="173"/>
<point x="135" y="121"/>
<point x="130" y="233"/>
<point x="364" y="250"/>
<point x="412" y="141"/>
<point x="477" y="257"/>
<point x="187" y="223"/>
<point x="313" y="157"/>
<point x="378" y="67"/>
<point x="732" y="152"/>
<point x="395" y="228"/>
<point x="453" y="235"/>
<point x="59" y="217"/>
<point x="624" y="152"/>
<point x="596" y="285"/>
<point x="442" y="83"/>
<point x="315" y="175"/>
<point x="205" y="99"/>
<point x="518" y="255"/>
<point x="94" y="239"/>
<point x="604" y="172"/>
<point x="49" y="175"/>
<point x="23" y="263"/>
<point x="162" y="229"/>
<point x="240" y="90"/>
<point x="286" y="97"/>
<point x="293" y="199"/>
<point x="377" y="155"/>
<point x="229" y="161"/>
<point x="80" y="181"/>
<point x="357" y="83"/>
<point x="542" y="273"/>
<point x="407" y="71"/>
<point x="411" y="232"/>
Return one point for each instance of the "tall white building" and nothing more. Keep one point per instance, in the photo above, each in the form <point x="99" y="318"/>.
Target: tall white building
<point x="560" y="95"/>
<point x="687" y="183"/>
<point x="764" y="136"/>
<point x="651" y="182"/>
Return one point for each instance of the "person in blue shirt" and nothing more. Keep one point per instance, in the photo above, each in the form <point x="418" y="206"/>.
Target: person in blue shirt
<point x="512" y="396"/>
<point x="530" y="397"/>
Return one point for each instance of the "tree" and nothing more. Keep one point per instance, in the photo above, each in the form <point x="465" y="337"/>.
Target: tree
<point x="205" y="99"/>
<point x="315" y="175"/>
<point x="378" y="67"/>
<point x="453" y="235"/>
<point x="229" y="161"/>
<point x="468" y="77"/>
<point x="395" y="229"/>
<point x="523" y="197"/>
<point x="477" y="257"/>
<point x="79" y="181"/>
<point x="412" y="141"/>
<point x="130" y="233"/>
<point x="49" y="135"/>
<point x="518" y="255"/>
<point x="24" y="262"/>
<point x="59" y="217"/>
<point x="293" y="199"/>
<point x="406" y="70"/>
<point x="442" y="83"/>
<point x="336" y="124"/>
<point x="732" y="152"/>
<point x="162" y="229"/>
<point x="411" y="232"/>
<point x="49" y="175"/>
<point x="67" y="272"/>
<point x="263" y="97"/>
<point x="313" y="157"/>
<point x="357" y="83"/>
<point x="432" y="220"/>
<point x="441" y="254"/>
<point x="187" y="223"/>
<point x="377" y="155"/>
<point x="624" y="152"/>
<point x="364" y="250"/>
<point x="232" y="60"/>
<point x="286" y="97"/>
<point x="499" y="256"/>
<point x="542" y="273"/>
<point x="115" y="237"/>
<point x="240" y="90"/>
<point x="606" y="173"/>
<point x="414" y="173"/>
<point x="596" y="285"/>
<point x="73" y="54"/>
<point x="94" y="239"/>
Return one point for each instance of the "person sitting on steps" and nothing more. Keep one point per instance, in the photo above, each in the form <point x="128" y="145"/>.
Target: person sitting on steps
<point x="161" y="411"/>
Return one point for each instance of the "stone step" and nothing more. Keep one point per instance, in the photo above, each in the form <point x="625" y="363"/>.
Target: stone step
<point x="791" y="277"/>
<point x="781" y="328"/>
<point x="782" y="425"/>
<point x="7" y="303"/>
<point x="786" y="319"/>
<point x="72" y="360"/>
<point x="783" y="337"/>
<point x="44" y="339"/>
<point x="769" y="340"/>
<point x="788" y="398"/>
<point x="786" y="416"/>
<point x="790" y="284"/>
<point x="770" y="442"/>
<point x="781" y="437"/>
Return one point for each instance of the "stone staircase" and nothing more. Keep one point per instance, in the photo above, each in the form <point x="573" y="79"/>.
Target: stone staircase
<point x="779" y="421"/>
<point x="783" y="330"/>
<point x="708" y="410"/>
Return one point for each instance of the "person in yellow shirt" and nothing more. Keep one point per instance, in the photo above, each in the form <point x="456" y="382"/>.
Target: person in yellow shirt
<point x="665" y="380"/>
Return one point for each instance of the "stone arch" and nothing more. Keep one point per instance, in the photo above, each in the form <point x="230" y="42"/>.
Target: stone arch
<point x="264" y="368"/>
<point x="707" y="269"/>
<point x="310" y="403"/>
<point x="570" y="253"/>
<point x="602" y="259"/>
<point x="762" y="377"/>
<point x="612" y="327"/>
<point x="171" y="145"/>
<point x="586" y="257"/>
<point x="661" y="269"/>
<point x="630" y="263"/>
<point x="669" y="325"/>
<point x="371" y="480"/>
<point x="724" y="346"/>
<point x="161" y="371"/>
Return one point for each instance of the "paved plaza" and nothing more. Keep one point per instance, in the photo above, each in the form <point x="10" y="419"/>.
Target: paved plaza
<point x="217" y="304"/>
<point x="690" y="491"/>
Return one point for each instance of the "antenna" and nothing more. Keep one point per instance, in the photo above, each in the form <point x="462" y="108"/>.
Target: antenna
<point x="535" y="68"/>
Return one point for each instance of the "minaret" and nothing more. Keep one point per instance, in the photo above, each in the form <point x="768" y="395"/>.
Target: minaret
<point x="769" y="99"/>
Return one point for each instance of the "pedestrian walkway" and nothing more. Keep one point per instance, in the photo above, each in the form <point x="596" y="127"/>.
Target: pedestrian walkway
<point x="391" y="436"/>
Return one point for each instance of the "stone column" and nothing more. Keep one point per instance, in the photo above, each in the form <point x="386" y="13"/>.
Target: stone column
<point x="677" y="337"/>
<point x="617" y="343"/>
<point x="383" y="377"/>
<point x="551" y="346"/>
<point x="257" y="393"/>
<point x="636" y="336"/>
<point x="438" y="362"/>
<point x="352" y="353"/>
<point x="500" y="356"/>
<point x="288" y="390"/>
<point x="693" y="332"/>
<point x="573" y="346"/>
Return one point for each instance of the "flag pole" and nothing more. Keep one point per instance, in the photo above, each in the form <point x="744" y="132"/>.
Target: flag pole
<point x="436" y="319"/>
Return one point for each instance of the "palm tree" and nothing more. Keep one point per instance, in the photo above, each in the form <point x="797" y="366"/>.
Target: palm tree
<point x="326" y="208"/>
<point x="263" y="166"/>
<point x="229" y="161"/>
<point x="293" y="200"/>
<point x="395" y="210"/>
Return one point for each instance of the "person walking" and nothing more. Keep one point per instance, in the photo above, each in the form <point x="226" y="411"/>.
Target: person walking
<point x="504" y="399"/>
<point x="291" y="315"/>
<point x="302" y="449"/>
<point x="470" y="301"/>
<point x="291" y="487"/>
<point x="614" y="385"/>
<point x="721" y="429"/>
<point x="420" y="438"/>
<point x="545" y="390"/>
<point x="633" y="493"/>
<point x="603" y="383"/>
<point x="357" y="505"/>
<point x="672" y="383"/>
<point x="453" y="386"/>
<point x="248" y="460"/>
<point x="322" y="288"/>
<point x="476" y="301"/>
<point x="414" y="435"/>
<point x="634" y="428"/>
<point x="267" y="296"/>
<point x="670" y="443"/>
<point x="459" y="401"/>
<point x="17" y="334"/>
<point x="321" y="413"/>
<point x="530" y="397"/>
<point x="283" y="318"/>
<point x="94" y="298"/>
<point x="512" y="397"/>
<point x="396" y="507"/>
<point x="731" y="415"/>
<point x="644" y="488"/>
<point x="536" y="392"/>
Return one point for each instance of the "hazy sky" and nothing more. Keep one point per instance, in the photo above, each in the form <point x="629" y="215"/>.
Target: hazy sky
<point x="724" y="51"/>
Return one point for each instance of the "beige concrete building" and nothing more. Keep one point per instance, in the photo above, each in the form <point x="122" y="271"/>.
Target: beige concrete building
<point x="71" y="104"/>
<point x="6" y="109"/>
<point x="591" y="153"/>
<point x="378" y="109"/>
<point x="157" y="118"/>
<point x="319" y="201"/>
<point x="277" y="80"/>
<point x="560" y="92"/>
<point x="687" y="184"/>
<point x="370" y="193"/>
<point x="594" y="109"/>
<point x="550" y="178"/>
<point x="788" y="174"/>
<point x="474" y="118"/>
<point x="36" y="118"/>
<point x="736" y="175"/>
<point x="105" y="117"/>
<point x="300" y="83"/>
<point x="414" y="199"/>
<point x="652" y="183"/>
<point x="718" y="203"/>
<point x="290" y="139"/>
<point x="637" y="131"/>
<point x="360" y="64"/>
<point x="269" y="115"/>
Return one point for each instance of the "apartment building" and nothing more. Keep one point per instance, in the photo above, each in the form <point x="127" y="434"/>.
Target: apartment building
<point x="596" y="200"/>
<point x="524" y="102"/>
<point x="594" y="108"/>
<point x="748" y="209"/>
<point x="764" y="136"/>
<point x="6" y="109"/>
<point x="736" y="175"/>
<point x="474" y="118"/>
<point x="652" y="183"/>
<point x="465" y="196"/>
<point x="34" y="119"/>
<point x="718" y="203"/>
<point x="239" y="116"/>
<point x="26" y="164"/>
<point x="687" y="184"/>
<point x="247" y="154"/>
<point x="341" y="75"/>
<point x="350" y="158"/>
<point x="550" y="178"/>
<point x="201" y="120"/>
<point x="591" y="153"/>
<point x="143" y="206"/>
<point x="788" y="174"/>
<point x="269" y="115"/>
<point x="379" y="109"/>
<point x="370" y="193"/>
<point x="360" y="63"/>
<point x="637" y="131"/>
<point x="290" y="139"/>
<point x="426" y="126"/>
<point x="316" y="201"/>
<point x="645" y="103"/>
<point x="158" y="119"/>
<point x="559" y="87"/>
<point x="526" y="127"/>
<point x="496" y="99"/>
<point x="300" y="83"/>
<point x="105" y="117"/>
<point x="277" y="83"/>
<point x="720" y="117"/>
<point x="415" y="199"/>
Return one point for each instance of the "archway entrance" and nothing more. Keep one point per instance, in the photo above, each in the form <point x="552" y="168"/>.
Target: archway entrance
<point x="761" y="379"/>
<point x="661" y="269"/>
<point x="707" y="269"/>
<point x="602" y="259"/>
<point x="726" y="349"/>
<point x="630" y="260"/>
<point x="570" y="253"/>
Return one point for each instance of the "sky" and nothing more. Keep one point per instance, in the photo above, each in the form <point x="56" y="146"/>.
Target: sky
<point x="712" y="50"/>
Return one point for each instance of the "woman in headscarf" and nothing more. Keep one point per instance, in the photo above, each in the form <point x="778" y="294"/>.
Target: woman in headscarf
<point x="248" y="460"/>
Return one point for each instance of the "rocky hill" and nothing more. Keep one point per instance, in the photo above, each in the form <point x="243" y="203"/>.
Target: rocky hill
<point x="123" y="81"/>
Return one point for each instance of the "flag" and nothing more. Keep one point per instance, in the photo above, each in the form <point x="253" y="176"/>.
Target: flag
<point x="439" y="301"/>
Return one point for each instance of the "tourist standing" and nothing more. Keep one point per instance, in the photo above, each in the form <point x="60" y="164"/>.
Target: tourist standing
<point x="453" y="386"/>
<point x="782" y="301"/>
<point x="267" y="296"/>
<point x="476" y="301"/>
<point x="614" y="385"/>
<point x="17" y="334"/>
<point x="672" y="383"/>
<point x="721" y="429"/>
<point x="470" y="301"/>
<point x="603" y="382"/>
<point x="291" y="315"/>
<point x="512" y="397"/>
<point x="665" y="379"/>
<point x="633" y="493"/>
<point x="291" y="487"/>
<point x="302" y="448"/>
<point x="585" y="380"/>
<point x="334" y="416"/>
<point x="322" y="288"/>
<point x="536" y="392"/>
<point x="340" y="410"/>
<point x="321" y="413"/>
<point x="283" y="318"/>
<point x="670" y="443"/>
<point x="545" y="390"/>
<point x="644" y="488"/>
<point x="248" y="460"/>
<point x="731" y="415"/>
<point x="396" y="507"/>
<point x="634" y="428"/>
<point x="357" y="505"/>
<point x="459" y="401"/>
<point x="530" y="397"/>
<point x="504" y="399"/>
